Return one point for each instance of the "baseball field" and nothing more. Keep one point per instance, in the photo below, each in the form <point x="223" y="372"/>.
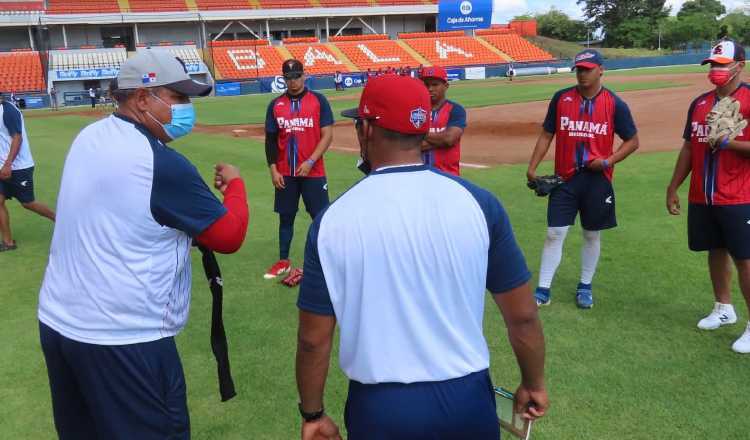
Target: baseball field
<point x="633" y="367"/>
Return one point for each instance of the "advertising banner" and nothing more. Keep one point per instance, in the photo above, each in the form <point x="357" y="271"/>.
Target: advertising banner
<point x="464" y="14"/>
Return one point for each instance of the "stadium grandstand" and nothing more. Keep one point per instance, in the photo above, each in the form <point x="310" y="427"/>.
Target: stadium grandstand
<point x="77" y="45"/>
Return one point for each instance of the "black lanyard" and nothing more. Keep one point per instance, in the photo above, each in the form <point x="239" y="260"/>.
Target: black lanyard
<point x="218" y="337"/>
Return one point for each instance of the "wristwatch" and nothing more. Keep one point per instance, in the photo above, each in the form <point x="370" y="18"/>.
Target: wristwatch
<point x="311" y="162"/>
<point x="310" y="417"/>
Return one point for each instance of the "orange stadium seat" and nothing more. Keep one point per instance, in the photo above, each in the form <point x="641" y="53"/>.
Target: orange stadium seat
<point x="158" y="6"/>
<point x="317" y="58"/>
<point x="517" y="47"/>
<point x="82" y="6"/>
<point x="241" y="61"/>
<point x="212" y="5"/>
<point x="343" y="3"/>
<point x="376" y="54"/>
<point x="367" y="37"/>
<point x="21" y="6"/>
<point x="454" y="51"/>
<point x="21" y="72"/>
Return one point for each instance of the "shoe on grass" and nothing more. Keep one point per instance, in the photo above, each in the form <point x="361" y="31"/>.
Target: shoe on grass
<point x="722" y="314"/>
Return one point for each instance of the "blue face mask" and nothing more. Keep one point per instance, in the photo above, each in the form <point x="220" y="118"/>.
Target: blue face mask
<point x="183" y="119"/>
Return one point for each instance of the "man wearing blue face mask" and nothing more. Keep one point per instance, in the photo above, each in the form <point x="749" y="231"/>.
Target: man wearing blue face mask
<point x="117" y="286"/>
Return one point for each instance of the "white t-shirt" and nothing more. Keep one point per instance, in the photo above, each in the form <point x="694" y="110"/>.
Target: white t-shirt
<point x="402" y="260"/>
<point x="12" y="123"/>
<point x="92" y="94"/>
<point x="119" y="265"/>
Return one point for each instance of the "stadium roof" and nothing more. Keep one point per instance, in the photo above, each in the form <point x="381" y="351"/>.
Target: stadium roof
<point x="36" y="18"/>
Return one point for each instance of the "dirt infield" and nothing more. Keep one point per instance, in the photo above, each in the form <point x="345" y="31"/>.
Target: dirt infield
<point x="507" y="133"/>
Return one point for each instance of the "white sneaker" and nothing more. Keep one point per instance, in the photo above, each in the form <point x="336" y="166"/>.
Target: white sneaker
<point x="722" y="314"/>
<point x="742" y="345"/>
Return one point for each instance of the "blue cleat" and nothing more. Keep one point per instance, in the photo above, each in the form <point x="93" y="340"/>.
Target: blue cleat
<point x="584" y="296"/>
<point x="542" y="296"/>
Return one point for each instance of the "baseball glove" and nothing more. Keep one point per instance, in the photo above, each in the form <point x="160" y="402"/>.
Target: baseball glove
<point x="544" y="185"/>
<point x="725" y="121"/>
<point x="294" y="278"/>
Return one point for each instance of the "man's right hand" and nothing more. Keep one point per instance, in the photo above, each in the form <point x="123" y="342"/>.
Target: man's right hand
<point x="673" y="202"/>
<point x="223" y="174"/>
<point x="321" y="429"/>
<point x="531" y="403"/>
<point x="6" y="172"/>
<point x="277" y="179"/>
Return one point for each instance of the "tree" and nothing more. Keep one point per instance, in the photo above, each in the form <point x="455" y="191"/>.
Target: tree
<point x="737" y="26"/>
<point x="712" y="8"/>
<point x="556" y="24"/>
<point x="610" y="14"/>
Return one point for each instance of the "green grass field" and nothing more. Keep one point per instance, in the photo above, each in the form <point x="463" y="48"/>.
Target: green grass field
<point x="634" y="367"/>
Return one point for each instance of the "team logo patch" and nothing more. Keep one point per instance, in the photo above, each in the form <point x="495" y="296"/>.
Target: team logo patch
<point x="148" y="78"/>
<point x="585" y="56"/>
<point x="719" y="50"/>
<point x="418" y="117"/>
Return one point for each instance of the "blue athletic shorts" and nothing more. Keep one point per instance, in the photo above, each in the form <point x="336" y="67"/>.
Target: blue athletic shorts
<point x="456" y="409"/>
<point x="720" y="227"/>
<point x="115" y="392"/>
<point x="589" y="193"/>
<point x="20" y="185"/>
<point x="314" y="192"/>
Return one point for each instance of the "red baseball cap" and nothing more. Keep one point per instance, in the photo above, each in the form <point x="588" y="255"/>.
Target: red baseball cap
<point x="434" y="72"/>
<point x="394" y="102"/>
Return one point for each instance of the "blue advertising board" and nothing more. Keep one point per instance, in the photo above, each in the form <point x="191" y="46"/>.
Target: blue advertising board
<point x="86" y="74"/>
<point x="227" y="89"/>
<point x="35" y="102"/>
<point x="464" y="14"/>
<point x="355" y="80"/>
<point x="455" y="74"/>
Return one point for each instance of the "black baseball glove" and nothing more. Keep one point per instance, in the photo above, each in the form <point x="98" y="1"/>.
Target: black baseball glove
<point x="544" y="185"/>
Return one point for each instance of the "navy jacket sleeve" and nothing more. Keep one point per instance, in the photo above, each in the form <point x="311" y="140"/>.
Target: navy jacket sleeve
<point x="12" y="119"/>
<point x="326" y="114"/>
<point x="506" y="265"/>
<point x="550" y="121"/>
<point x="271" y="125"/>
<point x="457" y="117"/>
<point x="180" y="199"/>
<point x="313" y="293"/>
<point x="624" y="125"/>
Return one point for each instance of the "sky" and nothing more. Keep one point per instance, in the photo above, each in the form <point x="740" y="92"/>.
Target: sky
<point x="504" y="10"/>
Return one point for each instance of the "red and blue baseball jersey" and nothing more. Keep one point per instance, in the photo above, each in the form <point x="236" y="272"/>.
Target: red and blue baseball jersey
<point x="298" y="120"/>
<point x="585" y="128"/>
<point x="449" y="114"/>
<point x="718" y="177"/>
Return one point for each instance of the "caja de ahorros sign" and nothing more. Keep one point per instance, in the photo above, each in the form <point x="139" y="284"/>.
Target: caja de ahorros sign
<point x="464" y="14"/>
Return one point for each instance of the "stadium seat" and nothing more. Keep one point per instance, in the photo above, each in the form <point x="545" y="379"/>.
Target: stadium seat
<point x="87" y="59"/>
<point x="376" y="54"/>
<point x="242" y="59"/>
<point x="367" y="37"/>
<point x="454" y="51"/>
<point x="21" y="6"/>
<point x="213" y="5"/>
<point x="517" y="47"/>
<point x="157" y="6"/>
<point x="82" y="6"/>
<point x="22" y="72"/>
<point x="317" y="58"/>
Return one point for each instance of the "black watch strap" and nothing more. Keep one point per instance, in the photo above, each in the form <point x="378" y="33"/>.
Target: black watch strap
<point x="310" y="416"/>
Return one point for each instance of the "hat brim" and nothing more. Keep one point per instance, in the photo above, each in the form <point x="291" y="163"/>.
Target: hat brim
<point x="720" y="60"/>
<point x="190" y="87"/>
<point x="586" y="65"/>
<point x="293" y="75"/>
<point x="433" y="77"/>
<point x="352" y="113"/>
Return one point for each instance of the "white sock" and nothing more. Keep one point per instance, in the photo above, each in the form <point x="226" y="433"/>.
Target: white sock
<point x="590" y="255"/>
<point x="552" y="254"/>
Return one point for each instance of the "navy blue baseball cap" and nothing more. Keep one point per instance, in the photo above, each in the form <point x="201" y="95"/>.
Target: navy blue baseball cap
<point x="588" y="59"/>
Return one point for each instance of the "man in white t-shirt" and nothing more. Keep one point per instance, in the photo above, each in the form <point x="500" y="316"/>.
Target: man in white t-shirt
<point x="92" y="97"/>
<point x="402" y="261"/>
<point x="117" y="286"/>
<point x="16" y="171"/>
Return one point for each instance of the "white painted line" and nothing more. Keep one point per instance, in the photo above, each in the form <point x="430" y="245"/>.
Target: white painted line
<point x="473" y="165"/>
